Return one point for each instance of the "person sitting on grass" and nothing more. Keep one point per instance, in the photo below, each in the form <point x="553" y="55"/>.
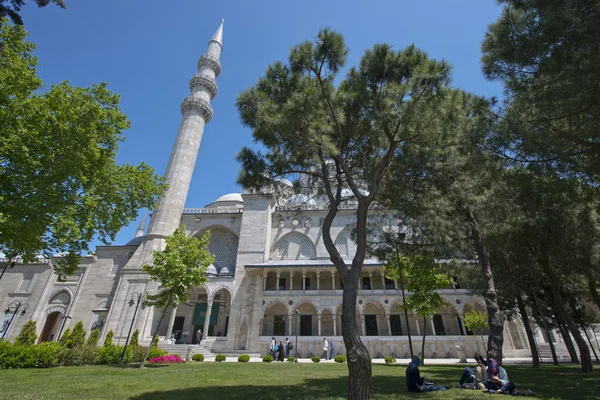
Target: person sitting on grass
<point x="415" y="382"/>
<point x="473" y="379"/>
<point x="497" y="379"/>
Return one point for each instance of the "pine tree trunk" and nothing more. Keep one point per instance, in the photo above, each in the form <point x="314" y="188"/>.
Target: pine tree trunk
<point x="496" y="317"/>
<point x="584" y="351"/>
<point x="423" y="344"/>
<point x="552" y="348"/>
<point x="359" y="362"/>
<point x="590" y="342"/>
<point x="405" y="311"/>
<point x="535" y="357"/>
<point x="592" y="285"/>
<point x="564" y="332"/>
<point x="545" y="326"/>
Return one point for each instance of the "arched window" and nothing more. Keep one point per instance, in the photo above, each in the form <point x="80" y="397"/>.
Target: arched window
<point x="223" y="245"/>
<point x="294" y="246"/>
<point x="341" y="243"/>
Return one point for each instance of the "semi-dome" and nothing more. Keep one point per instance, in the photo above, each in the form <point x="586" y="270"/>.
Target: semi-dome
<point x="227" y="201"/>
<point x="225" y="271"/>
<point x="211" y="270"/>
<point x="230" y="197"/>
<point x="136" y="241"/>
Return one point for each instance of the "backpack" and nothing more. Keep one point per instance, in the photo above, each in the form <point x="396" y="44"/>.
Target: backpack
<point x="291" y="346"/>
<point x="275" y="347"/>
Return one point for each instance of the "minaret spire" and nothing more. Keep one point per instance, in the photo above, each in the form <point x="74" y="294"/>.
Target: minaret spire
<point x="141" y="227"/>
<point x="196" y="112"/>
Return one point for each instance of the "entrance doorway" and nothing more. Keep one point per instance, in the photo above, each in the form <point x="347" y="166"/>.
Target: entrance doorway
<point x="50" y="329"/>
<point x="396" y="325"/>
<point x="178" y="329"/>
<point x="371" y="325"/>
<point x="306" y="325"/>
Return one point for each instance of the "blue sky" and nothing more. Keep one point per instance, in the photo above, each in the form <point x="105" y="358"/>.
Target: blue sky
<point x="147" y="52"/>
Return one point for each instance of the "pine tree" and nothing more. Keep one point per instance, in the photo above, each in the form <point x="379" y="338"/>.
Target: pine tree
<point x="77" y="337"/>
<point x="66" y="336"/>
<point x="108" y="341"/>
<point x="28" y="334"/>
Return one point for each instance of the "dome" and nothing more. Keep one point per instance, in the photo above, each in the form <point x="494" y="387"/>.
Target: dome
<point x="230" y="197"/>
<point x="301" y="199"/>
<point x="211" y="270"/>
<point x="136" y="241"/>
<point x="225" y="271"/>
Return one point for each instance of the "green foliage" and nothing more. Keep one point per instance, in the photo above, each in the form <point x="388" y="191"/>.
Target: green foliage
<point x="268" y="359"/>
<point x="198" y="357"/>
<point x="108" y="340"/>
<point x="475" y="321"/>
<point x="340" y="359"/>
<point x="156" y="352"/>
<point x="134" y="338"/>
<point x="244" y="358"/>
<point x="138" y="352"/>
<point x="28" y="334"/>
<point x="93" y="338"/>
<point x="42" y="355"/>
<point x="155" y="340"/>
<point x="11" y="8"/>
<point x="61" y="186"/>
<point x="77" y="337"/>
<point x="291" y="359"/>
<point x="175" y="354"/>
<point x="180" y="265"/>
<point x="220" y="358"/>
<point x="389" y="359"/>
<point x="108" y="354"/>
<point x="315" y="359"/>
<point x="65" y="338"/>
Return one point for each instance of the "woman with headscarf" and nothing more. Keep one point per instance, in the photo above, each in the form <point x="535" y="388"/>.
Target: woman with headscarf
<point x="280" y="352"/>
<point x="415" y="382"/>
<point x="471" y="379"/>
<point x="497" y="379"/>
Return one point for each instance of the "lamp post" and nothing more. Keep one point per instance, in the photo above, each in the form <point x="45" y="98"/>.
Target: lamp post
<point x="18" y="305"/>
<point x="297" y="315"/>
<point x="137" y="304"/>
<point x="64" y="318"/>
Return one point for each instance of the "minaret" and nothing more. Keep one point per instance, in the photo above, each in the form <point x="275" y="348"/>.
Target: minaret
<point x="141" y="227"/>
<point x="196" y="112"/>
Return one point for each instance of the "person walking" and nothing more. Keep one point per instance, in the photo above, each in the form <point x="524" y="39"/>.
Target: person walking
<point x="325" y="348"/>
<point x="198" y="337"/>
<point x="288" y="347"/>
<point x="280" y="352"/>
<point x="332" y="351"/>
<point x="272" y="347"/>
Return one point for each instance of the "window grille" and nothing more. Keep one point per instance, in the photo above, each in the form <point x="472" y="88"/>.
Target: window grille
<point x="281" y="248"/>
<point x="305" y="248"/>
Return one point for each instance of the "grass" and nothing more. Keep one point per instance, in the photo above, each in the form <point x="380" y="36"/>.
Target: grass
<point x="269" y="381"/>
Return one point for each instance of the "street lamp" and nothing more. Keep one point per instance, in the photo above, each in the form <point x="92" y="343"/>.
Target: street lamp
<point x="297" y="315"/>
<point x="18" y="305"/>
<point x="137" y="304"/>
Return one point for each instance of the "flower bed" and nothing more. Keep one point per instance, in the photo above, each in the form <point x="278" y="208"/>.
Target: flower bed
<point x="170" y="359"/>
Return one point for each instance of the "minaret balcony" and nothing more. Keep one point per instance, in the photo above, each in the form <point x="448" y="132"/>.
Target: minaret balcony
<point x="208" y="61"/>
<point x="198" y="105"/>
<point x="202" y="81"/>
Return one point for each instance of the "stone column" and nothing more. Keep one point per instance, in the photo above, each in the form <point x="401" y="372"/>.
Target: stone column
<point x="265" y="280"/>
<point x="318" y="280"/>
<point x="395" y="285"/>
<point x="277" y="280"/>
<point x="383" y="283"/>
<point x="389" y="325"/>
<point x="207" y="319"/>
<point x="333" y="279"/>
<point x="289" y="324"/>
<point x="291" y="282"/>
<point x="171" y="321"/>
<point x="417" y="326"/>
<point x="371" y="283"/>
<point x="432" y="326"/>
<point x="319" y="325"/>
<point x="303" y="281"/>
<point x="334" y="324"/>
<point x="363" y="325"/>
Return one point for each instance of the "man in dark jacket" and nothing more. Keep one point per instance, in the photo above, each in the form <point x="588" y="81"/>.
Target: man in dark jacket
<point x="415" y="382"/>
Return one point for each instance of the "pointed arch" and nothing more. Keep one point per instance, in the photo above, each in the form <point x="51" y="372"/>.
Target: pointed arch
<point x="294" y="246"/>
<point x="218" y="289"/>
<point x="223" y="245"/>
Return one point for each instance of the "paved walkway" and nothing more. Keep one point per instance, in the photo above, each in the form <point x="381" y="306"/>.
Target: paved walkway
<point x="401" y="361"/>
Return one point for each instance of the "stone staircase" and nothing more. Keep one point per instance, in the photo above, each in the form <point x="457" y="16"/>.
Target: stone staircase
<point x="183" y="349"/>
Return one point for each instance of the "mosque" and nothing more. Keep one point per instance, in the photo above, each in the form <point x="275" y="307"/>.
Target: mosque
<point x="271" y="276"/>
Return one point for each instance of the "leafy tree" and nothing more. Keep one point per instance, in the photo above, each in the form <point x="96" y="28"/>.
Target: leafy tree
<point x="93" y="338"/>
<point x="77" y="338"/>
<point x="336" y="137"/>
<point x="60" y="186"/>
<point x="108" y="340"/>
<point x="28" y="334"/>
<point x="424" y="279"/>
<point x="134" y="338"/>
<point x="546" y="52"/>
<point x="11" y="8"/>
<point x="179" y="266"/>
<point x="448" y="184"/>
<point x="476" y="322"/>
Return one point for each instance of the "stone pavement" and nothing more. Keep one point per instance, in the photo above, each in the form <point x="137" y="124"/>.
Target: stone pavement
<point x="401" y="361"/>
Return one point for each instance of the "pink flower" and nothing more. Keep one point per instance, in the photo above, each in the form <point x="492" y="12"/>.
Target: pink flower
<point x="166" y="360"/>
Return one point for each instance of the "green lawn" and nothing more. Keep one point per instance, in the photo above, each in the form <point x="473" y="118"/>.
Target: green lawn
<point x="268" y="381"/>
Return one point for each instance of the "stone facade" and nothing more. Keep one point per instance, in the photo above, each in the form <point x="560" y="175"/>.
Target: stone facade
<point x="271" y="276"/>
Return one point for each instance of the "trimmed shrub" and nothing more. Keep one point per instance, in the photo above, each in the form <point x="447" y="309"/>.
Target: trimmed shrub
<point x="156" y="352"/>
<point x="220" y="358"/>
<point x="268" y="359"/>
<point x="175" y="354"/>
<point x="340" y="359"/>
<point x="138" y="353"/>
<point x="389" y="359"/>
<point x="29" y="356"/>
<point x="69" y="357"/>
<point x="89" y="354"/>
<point x="170" y="359"/>
<point x="47" y="354"/>
<point x="66" y="336"/>
<point x="93" y="338"/>
<point x="77" y="338"/>
<point x="135" y="338"/>
<point x="154" y="341"/>
<point x="244" y="358"/>
<point x="109" y="354"/>
<point x="316" y="359"/>
<point x="108" y="339"/>
<point x="198" y="357"/>
<point x="28" y="334"/>
<point x="291" y="359"/>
